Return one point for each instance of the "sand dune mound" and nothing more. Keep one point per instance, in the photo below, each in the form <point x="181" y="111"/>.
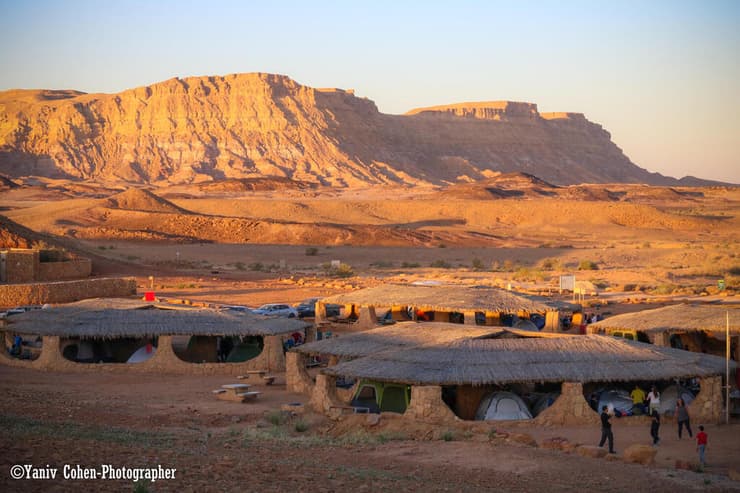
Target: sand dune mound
<point x="503" y="186"/>
<point x="142" y="200"/>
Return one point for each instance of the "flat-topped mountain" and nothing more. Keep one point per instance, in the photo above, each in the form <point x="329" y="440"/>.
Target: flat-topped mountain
<point x="262" y="125"/>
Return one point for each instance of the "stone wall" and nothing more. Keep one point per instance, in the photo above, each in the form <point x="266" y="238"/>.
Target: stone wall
<point x="324" y="394"/>
<point x="70" y="269"/>
<point x="20" y="265"/>
<point x="164" y="361"/>
<point x="708" y="406"/>
<point x="570" y="408"/>
<point x="65" y="291"/>
<point x="427" y="405"/>
<point x="297" y="378"/>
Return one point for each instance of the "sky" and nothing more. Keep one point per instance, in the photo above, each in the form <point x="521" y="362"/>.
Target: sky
<point x="663" y="77"/>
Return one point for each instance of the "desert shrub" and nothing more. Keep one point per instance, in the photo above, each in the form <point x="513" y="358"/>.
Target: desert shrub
<point x="549" y="263"/>
<point x="312" y="251"/>
<point x="240" y="266"/>
<point x="527" y="274"/>
<point x="382" y="264"/>
<point x="410" y="265"/>
<point x="102" y="247"/>
<point x="344" y="270"/>
<point x="496" y="266"/>
<point x="441" y="245"/>
<point x="664" y="289"/>
<point x="277" y="418"/>
<point x="256" y="266"/>
<point x="441" y="264"/>
<point x="734" y="271"/>
<point x="301" y="426"/>
<point x="448" y="436"/>
<point x="140" y="487"/>
<point x="477" y="264"/>
<point x="509" y="265"/>
<point x="588" y="265"/>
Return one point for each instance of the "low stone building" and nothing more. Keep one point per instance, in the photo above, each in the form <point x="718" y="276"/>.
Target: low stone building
<point x="468" y="366"/>
<point x="179" y="339"/>
<point x="19" y="265"/>
<point x="469" y="305"/>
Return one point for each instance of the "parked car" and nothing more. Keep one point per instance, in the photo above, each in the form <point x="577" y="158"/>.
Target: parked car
<point x="307" y="308"/>
<point x="276" y="310"/>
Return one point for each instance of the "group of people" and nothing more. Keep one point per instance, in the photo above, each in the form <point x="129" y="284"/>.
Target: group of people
<point x="649" y="405"/>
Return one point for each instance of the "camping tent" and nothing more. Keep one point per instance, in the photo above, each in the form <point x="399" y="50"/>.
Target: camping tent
<point x="616" y="400"/>
<point x="142" y="354"/>
<point x="502" y="406"/>
<point x="670" y="395"/>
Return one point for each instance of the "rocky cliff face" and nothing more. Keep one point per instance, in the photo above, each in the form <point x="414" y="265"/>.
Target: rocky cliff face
<point x="253" y="125"/>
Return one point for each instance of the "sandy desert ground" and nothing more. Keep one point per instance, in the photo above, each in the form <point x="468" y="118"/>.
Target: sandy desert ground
<point x="641" y="246"/>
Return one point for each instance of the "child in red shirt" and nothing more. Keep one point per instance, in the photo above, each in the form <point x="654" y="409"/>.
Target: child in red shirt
<point x="701" y="445"/>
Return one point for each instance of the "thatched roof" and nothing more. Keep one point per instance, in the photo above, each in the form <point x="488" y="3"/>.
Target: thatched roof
<point x="590" y="358"/>
<point x="400" y="335"/>
<point x="676" y="318"/>
<point x="447" y="298"/>
<point x="112" y="318"/>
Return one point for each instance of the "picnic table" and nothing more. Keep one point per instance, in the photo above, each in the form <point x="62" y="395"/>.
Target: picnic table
<point x="236" y="392"/>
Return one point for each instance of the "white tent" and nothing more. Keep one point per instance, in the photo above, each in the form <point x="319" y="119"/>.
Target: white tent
<point x="502" y="406"/>
<point x="142" y="354"/>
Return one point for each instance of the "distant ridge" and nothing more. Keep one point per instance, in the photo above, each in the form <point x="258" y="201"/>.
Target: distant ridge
<point x="256" y="125"/>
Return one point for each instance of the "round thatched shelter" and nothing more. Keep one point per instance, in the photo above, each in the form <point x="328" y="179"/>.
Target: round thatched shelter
<point x="107" y="328"/>
<point x="698" y="328"/>
<point x="471" y="305"/>
<point x="474" y="363"/>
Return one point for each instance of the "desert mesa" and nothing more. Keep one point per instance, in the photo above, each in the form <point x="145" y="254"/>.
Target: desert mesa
<point x="255" y="125"/>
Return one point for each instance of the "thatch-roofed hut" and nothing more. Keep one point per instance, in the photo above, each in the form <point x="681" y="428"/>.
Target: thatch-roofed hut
<point x="529" y="360"/>
<point x="699" y="328"/>
<point x="473" y="364"/>
<point x="442" y="303"/>
<point x="122" y="326"/>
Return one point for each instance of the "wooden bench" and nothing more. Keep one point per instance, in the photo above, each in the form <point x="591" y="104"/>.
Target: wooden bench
<point x="269" y="379"/>
<point x="349" y="409"/>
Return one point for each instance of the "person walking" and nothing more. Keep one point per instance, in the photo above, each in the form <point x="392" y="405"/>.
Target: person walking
<point x="655" y="427"/>
<point x="653" y="400"/>
<point x="701" y="445"/>
<point x="606" y="430"/>
<point x="682" y="415"/>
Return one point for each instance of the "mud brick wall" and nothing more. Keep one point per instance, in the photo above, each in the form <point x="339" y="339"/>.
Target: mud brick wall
<point x="70" y="269"/>
<point x="12" y="295"/>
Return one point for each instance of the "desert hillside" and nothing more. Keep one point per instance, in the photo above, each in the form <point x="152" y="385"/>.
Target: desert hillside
<point x="256" y="125"/>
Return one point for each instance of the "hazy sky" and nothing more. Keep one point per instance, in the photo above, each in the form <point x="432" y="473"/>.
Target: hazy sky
<point x="662" y="76"/>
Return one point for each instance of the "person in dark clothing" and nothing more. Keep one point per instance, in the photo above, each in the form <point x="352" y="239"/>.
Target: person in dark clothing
<point x="682" y="415"/>
<point x="606" y="430"/>
<point x="654" y="427"/>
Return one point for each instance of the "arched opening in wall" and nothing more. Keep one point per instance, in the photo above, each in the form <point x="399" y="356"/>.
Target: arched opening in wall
<point x="375" y="397"/>
<point x="500" y="402"/>
<point x="119" y="350"/>
<point x="22" y="346"/>
<point x="218" y="349"/>
<point x="624" y="399"/>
